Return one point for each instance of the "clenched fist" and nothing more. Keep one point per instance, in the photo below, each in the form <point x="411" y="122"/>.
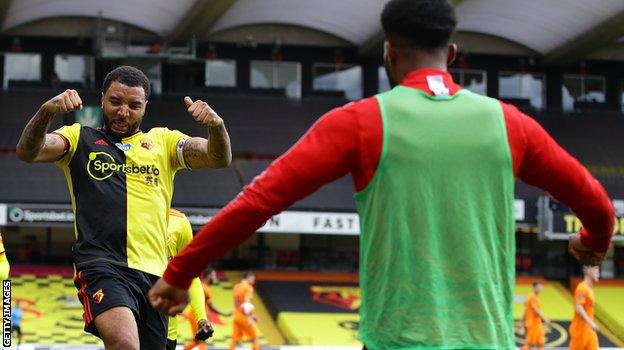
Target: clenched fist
<point x="65" y="102"/>
<point x="204" y="330"/>
<point x="202" y="113"/>
<point x="581" y="253"/>
<point x="167" y="298"/>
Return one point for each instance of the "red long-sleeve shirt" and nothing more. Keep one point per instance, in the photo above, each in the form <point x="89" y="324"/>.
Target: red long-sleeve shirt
<point x="349" y="140"/>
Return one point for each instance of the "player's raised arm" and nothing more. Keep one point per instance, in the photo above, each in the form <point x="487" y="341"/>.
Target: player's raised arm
<point x="305" y="167"/>
<point x="214" y="152"/>
<point x="35" y="144"/>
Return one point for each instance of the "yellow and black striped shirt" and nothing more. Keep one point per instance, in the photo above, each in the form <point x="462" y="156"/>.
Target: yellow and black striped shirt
<point x="121" y="193"/>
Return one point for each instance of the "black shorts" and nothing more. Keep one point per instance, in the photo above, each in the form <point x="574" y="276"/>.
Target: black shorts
<point x="102" y="286"/>
<point x="171" y="344"/>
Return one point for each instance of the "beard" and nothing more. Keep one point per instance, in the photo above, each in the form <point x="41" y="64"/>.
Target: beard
<point x="132" y="129"/>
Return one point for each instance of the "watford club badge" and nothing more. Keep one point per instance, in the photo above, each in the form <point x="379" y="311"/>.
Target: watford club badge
<point x="147" y="144"/>
<point x="98" y="296"/>
<point x="347" y="298"/>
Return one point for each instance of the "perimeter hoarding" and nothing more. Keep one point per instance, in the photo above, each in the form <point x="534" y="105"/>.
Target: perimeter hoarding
<point x="291" y="221"/>
<point x="557" y="222"/>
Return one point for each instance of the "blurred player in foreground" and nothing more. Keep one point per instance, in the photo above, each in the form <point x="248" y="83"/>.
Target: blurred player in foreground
<point x="533" y="319"/>
<point x="434" y="167"/>
<point x="4" y="262"/>
<point x="583" y="327"/>
<point x="179" y="234"/>
<point x="208" y="277"/>
<point x="245" y="319"/>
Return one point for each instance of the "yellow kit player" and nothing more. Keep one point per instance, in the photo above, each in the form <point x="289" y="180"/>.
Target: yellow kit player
<point x="179" y="234"/>
<point x="4" y="263"/>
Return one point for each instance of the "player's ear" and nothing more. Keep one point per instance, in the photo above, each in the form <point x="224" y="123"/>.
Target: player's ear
<point x="451" y="54"/>
<point x="390" y="54"/>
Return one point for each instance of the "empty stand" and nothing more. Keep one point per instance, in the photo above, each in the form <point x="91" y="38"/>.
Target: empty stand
<point x="256" y="124"/>
<point x="23" y="182"/>
<point x="337" y="195"/>
<point x="263" y="126"/>
<point x="208" y="188"/>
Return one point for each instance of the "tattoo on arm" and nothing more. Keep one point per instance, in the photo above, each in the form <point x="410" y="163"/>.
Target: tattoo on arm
<point x="219" y="151"/>
<point x="34" y="135"/>
<point x="51" y="142"/>
<point x="214" y="152"/>
<point x="194" y="152"/>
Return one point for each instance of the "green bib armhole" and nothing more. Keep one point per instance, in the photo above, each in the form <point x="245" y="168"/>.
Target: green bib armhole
<point x="503" y="126"/>
<point x="384" y="148"/>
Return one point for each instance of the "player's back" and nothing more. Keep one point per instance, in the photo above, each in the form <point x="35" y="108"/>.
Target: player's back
<point x="437" y="225"/>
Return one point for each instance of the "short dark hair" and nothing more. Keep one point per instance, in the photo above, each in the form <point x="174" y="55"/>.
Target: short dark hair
<point x="248" y="274"/>
<point x="426" y="24"/>
<point x="129" y="76"/>
<point x="536" y="282"/>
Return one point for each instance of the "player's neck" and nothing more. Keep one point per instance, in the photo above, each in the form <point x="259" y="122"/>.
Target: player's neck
<point x="421" y="59"/>
<point x="589" y="281"/>
<point x="422" y="64"/>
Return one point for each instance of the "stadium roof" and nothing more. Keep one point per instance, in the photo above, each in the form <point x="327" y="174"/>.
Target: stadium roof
<point x="555" y="29"/>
